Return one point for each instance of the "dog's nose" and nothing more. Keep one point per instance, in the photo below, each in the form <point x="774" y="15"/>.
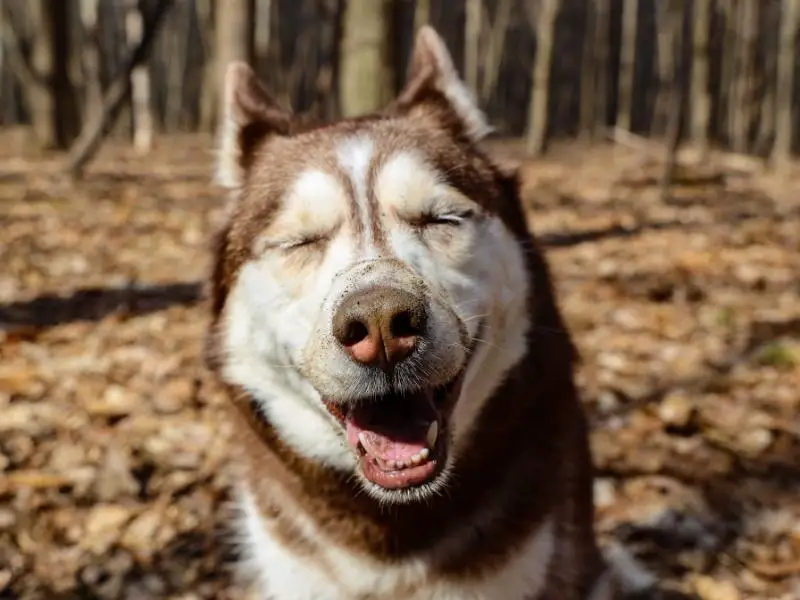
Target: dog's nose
<point x="380" y="326"/>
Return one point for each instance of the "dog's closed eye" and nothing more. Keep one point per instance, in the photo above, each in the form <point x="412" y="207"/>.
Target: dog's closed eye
<point x="291" y="244"/>
<point x="302" y="242"/>
<point x="454" y="218"/>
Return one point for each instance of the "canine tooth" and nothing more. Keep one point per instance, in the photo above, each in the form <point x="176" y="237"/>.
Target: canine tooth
<point x="433" y="433"/>
<point x="424" y="453"/>
<point x="361" y="437"/>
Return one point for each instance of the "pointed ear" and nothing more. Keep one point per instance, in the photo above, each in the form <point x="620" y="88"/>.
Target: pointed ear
<point x="250" y="115"/>
<point x="432" y="78"/>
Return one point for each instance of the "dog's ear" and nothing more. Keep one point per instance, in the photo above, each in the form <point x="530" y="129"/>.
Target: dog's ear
<point x="250" y="116"/>
<point x="433" y="83"/>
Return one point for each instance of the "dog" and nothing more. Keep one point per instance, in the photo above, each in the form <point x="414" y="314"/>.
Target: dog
<point x="407" y="421"/>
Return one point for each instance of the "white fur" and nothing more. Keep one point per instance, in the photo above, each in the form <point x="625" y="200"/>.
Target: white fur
<point x="227" y="172"/>
<point x="354" y="156"/>
<point x="277" y="343"/>
<point x="336" y="574"/>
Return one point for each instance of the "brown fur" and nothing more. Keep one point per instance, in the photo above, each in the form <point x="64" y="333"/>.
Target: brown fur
<point x="528" y="456"/>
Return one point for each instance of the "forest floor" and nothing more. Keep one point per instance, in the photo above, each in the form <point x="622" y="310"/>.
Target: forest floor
<point x="112" y="452"/>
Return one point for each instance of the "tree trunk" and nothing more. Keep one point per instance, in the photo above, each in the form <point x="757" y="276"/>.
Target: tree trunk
<point x="728" y="69"/>
<point x="175" y="80"/>
<point x="91" y="135"/>
<point x="601" y="50"/>
<point x="263" y="30"/>
<point x="141" y="111"/>
<point x="545" y="23"/>
<point x="588" y="108"/>
<point x="665" y="63"/>
<point x="366" y="78"/>
<point x="744" y="100"/>
<point x="51" y="99"/>
<point x="235" y="33"/>
<point x="494" y="50"/>
<point x="472" y="36"/>
<point x="699" y="93"/>
<point x="627" y="64"/>
<point x="90" y="58"/>
<point x="784" y="84"/>
<point x="209" y="93"/>
<point x="422" y="13"/>
<point x="673" y="25"/>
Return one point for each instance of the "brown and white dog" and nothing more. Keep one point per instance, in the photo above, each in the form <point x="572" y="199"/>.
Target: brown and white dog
<point x="409" y="425"/>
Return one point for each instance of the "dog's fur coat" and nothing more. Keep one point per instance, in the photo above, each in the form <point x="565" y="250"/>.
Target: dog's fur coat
<point x="402" y="200"/>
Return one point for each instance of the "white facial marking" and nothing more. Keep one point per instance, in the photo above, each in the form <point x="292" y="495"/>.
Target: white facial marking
<point x="314" y="205"/>
<point x="354" y="156"/>
<point x="471" y="274"/>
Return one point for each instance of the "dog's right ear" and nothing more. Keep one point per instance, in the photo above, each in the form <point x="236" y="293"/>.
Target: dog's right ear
<point x="433" y="83"/>
<point x="251" y="115"/>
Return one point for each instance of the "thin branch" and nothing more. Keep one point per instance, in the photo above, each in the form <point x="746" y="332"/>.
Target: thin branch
<point x="91" y="135"/>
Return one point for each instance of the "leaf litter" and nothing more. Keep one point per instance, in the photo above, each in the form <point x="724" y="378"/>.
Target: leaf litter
<point x="112" y="450"/>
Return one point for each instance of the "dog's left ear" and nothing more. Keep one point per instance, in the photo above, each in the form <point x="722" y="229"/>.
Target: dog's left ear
<point x="433" y="83"/>
<point x="251" y="117"/>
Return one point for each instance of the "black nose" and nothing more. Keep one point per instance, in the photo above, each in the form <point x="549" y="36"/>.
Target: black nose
<point x="380" y="326"/>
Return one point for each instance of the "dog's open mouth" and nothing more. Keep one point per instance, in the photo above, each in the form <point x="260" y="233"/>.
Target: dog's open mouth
<point x="399" y="438"/>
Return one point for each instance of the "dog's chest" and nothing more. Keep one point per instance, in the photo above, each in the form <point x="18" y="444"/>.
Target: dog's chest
<point x="332" y="572"/>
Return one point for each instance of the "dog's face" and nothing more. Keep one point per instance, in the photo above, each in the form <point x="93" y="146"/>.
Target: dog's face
<point x="370" y="297"/>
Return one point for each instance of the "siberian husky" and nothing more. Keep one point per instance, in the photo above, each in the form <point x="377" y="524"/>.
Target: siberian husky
<point x="408" y="425"/>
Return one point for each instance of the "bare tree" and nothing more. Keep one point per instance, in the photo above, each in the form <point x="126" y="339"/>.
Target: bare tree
<point x="543" y="16"/>
<point x="727" y="11"/>
<point x="782" y="148"/>
<point x="743" y="99"/>
<point x="96" y="124"/>
<point x="422" y="13"/>
<point x="366" y="76"/>
<point x="141" y="111"/>
<point x="767" y="74"/>
<point x="472" y="36"/>
<point x="673" y="39"/>
<point x="173" y="45"/>
<point x="601" y="50"/>
<point x="665" y="67"/>
<point x="234" y="38"/>
<point x="594" y="69"/>
<point x="209" y="94"/>
<point x="699" y="91"/>
<point x="495" y="44"/>
<point x="44" y="76"/>
<point x="90" y="57"/>
<point x="588" y="75"/>
<point x="627" y="63"/>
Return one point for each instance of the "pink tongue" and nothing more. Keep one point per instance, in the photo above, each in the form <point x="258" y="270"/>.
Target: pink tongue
<point x="388" y="445"/>
<point x="394" y="429"/>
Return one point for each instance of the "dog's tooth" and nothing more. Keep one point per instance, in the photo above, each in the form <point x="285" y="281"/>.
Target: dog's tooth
<point x="424" y="453"/>
<point x="361" y="437"/>
<point x="433" y="433"/>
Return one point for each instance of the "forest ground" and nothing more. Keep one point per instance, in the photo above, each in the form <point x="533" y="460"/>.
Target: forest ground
<point x="686" y="313"/>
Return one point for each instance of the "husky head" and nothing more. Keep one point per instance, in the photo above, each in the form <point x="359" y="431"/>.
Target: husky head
<point x="370" y="286"/>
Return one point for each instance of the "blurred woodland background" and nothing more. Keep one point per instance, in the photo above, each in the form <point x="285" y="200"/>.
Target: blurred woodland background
<point x="710" y="71"/>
